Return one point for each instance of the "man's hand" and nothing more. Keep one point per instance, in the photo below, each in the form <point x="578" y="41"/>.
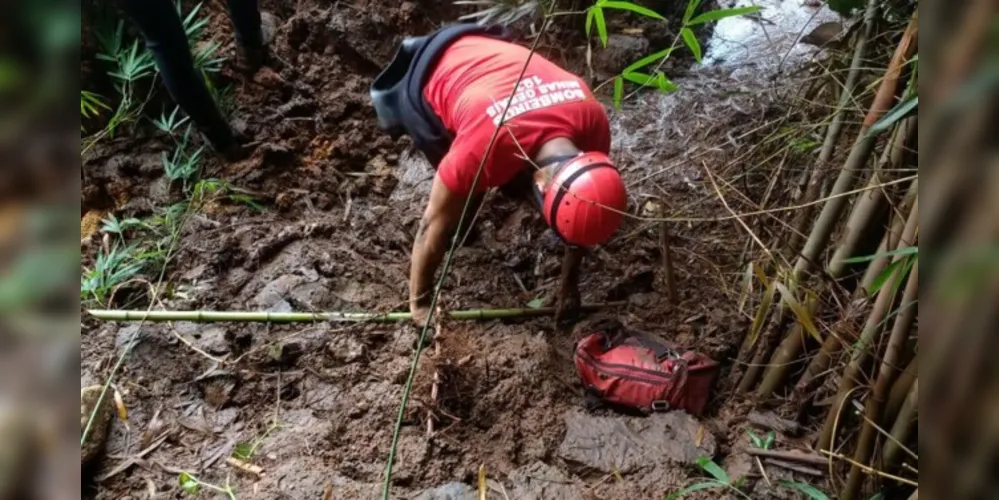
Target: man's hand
<point x="567" y="305"/>
<point x="419" y="312"/>
<point x="567" y="302"/>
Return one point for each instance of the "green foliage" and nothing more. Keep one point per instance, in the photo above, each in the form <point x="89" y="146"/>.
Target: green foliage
<point x="192" y="486"/>
<point x="717" y="15"/>
<point x="810" y="491"/>
<point x="208" y="189"/>
<point x="902" y="110"/>
<point x="720" y="480"/>
<point x="170" y="123"/>
<point x="764" y="443"/>
<point x="636" y="72"/>
<point x="189" y="484"/>
<point x="908" y="257"/>
<point x="691" y="40"/>
<point x="91" y="105"/>
<point x="111" y="269"/>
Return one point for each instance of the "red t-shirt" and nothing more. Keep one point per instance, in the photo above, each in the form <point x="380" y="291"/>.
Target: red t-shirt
<point x="468" y="89"/>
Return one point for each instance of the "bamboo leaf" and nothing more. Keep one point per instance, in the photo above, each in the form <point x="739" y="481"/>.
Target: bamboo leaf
<point x="665" y="84"/>
<point x="589" y="21"/>
<point x="911" y="250"/>
<point x="536" y="303"/>
<point x="768" y="441"/>
<point x="598" y="17"/>
<point x="756" y="440"/>
<point x="638" y="9"/>
<point x="691" y="7"/>
<point x="483" y="491"/>
<point x="618" y="91"/>
<point x="719" y="14"/>
<point x="189" y="484"/>
<point x="712" y="468"/>
<point x="902" y="110"/>
<point x="881" y="279"/>
<point x="761" y="312"/>
<point x="639" y="78"/>
<point x="691" y="40"/>
<point x="707" y="485"/>
<point x="119" y="403"/>
<point x="647" y="60"/>
<point x="810" y="491"/>
<point x="799" y="311"/>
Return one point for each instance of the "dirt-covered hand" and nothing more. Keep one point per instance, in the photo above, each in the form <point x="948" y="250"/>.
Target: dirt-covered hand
<point x="420" y="313"/>
<point x="567" y="305"/>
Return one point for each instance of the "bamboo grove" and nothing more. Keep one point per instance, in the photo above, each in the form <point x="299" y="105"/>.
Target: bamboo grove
<point x="833" y="339"/>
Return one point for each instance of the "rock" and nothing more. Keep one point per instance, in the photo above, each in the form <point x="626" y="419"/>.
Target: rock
<point x="449" y="491"/>
<point x="540" y="481"/>
<point x="621" y="51"/>
<point x="346" y="349"/>
<point x="213" y="340"/>
<point x="275" y="291"/>
<point x="624" y="444"/>
<point x="217" y="388"/>
<point x="102" y="421"/>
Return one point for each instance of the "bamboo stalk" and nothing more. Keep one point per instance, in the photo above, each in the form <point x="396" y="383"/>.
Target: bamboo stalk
<point x="869" y="334"/>
<point x="814" y="181"/>
<point x="859" y="154"/>
<point x="667" y="257"/>
<point x="863" y="146"/>
<point x="899" y="391"/>
<point x="864" y="214"/>
<point x="346" y="317"/>
<point x="902" y="428"/>
<point x="886" y="375"/>
<point x="833" y="344"/>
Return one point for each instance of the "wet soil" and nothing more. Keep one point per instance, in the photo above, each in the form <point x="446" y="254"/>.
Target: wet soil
<point x="313" y="405"/>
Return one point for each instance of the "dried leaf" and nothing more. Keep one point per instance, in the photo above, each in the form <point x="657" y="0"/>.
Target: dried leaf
<point x="120" y="405"/>
<point x="799" y="311"/>
<point x="761" y="312"/>
<point x="483" y="484"/>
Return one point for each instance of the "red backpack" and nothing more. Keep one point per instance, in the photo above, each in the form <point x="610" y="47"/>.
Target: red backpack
<point x="627" y="367"/>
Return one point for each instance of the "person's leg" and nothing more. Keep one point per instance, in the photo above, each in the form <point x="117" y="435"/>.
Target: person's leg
<point x="164" y="34"/>
<point x="254" y="31"/>
<point x="245" y="15"/>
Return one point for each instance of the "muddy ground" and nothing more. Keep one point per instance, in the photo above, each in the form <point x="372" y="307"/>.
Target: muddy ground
<point x="315" y="404"/>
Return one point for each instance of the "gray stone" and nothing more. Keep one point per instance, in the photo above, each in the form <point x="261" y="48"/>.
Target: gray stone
<point x="213" y="340"/>
<point x="624" y="444"/>
<point x="98" y="432"/>
<point x="276" y="290"/>
<point x="540" y="481"/>
<point x="346" y="349"/>
<point x="449" y="491"/>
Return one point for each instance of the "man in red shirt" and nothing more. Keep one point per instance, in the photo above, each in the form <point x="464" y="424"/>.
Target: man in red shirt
<point x="448" y="90"/>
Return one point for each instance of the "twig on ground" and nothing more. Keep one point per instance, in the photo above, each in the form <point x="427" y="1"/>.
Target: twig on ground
<point x="869" y="470"/>
<point x="794" y="467"/>
<point x="792" y="456"/>
<point x="247" y="467"/>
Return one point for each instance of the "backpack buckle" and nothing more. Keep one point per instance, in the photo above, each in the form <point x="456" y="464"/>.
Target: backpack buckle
<point x="660" y="406"/>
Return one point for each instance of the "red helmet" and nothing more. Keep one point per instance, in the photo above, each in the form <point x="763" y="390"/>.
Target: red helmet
<point x="585" y="200"/>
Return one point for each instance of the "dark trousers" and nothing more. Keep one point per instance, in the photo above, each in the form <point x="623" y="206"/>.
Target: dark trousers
<point x="163" y="31"/>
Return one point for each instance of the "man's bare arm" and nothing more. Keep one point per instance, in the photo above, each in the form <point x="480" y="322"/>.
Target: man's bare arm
<point x="436" y="227"/>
